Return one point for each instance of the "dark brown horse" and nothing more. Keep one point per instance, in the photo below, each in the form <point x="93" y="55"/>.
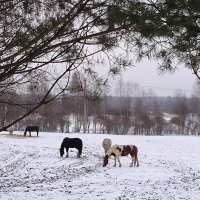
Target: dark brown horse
<point x="30" y="129"/>
<point x="71" y="143"/>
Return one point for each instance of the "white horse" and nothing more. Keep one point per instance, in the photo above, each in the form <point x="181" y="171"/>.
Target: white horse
<point x="106" y="144"/>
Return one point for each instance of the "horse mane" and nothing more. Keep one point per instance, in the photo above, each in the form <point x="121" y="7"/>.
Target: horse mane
<point x="62" y="145"/>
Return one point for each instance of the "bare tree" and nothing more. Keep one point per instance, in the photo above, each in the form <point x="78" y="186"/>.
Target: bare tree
<point x="158" y="119"/>
<point x="55" y="44"/>
<point x="193" y="124"/>
<point x="181" y="109"/>
<point x="7" y="109"/>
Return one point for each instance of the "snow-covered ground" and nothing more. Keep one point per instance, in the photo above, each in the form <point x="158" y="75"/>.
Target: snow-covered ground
<point x="32" y="169"/>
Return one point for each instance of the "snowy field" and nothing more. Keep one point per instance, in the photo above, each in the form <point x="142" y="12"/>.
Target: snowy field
<point x="32" y="169"/>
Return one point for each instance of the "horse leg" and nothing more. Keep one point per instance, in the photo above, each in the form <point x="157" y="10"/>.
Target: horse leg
<point x="29" y="133"/>
<point x="133" y="160"/>
<point x="67" y="152"/>
<point x="136" y="161"/>
<point x="79" y="153"/>
<point x="24" y="133"/>
<point x="37" y="133"/>
<point x="114" y="161"/>
<point x="119" y="161"/>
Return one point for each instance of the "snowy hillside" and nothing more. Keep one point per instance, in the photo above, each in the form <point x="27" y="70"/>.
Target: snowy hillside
<point x="31" y="169"/>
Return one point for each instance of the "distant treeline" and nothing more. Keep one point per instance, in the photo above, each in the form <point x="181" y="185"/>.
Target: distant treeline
<point x="108" y="114"/>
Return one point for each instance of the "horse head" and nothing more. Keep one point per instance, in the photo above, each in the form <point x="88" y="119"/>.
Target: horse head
<point x="105" y="160"/>
<point x="61" y="152"/>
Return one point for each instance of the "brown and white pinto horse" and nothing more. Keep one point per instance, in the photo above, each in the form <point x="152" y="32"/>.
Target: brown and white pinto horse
<point x="122" y="150"/>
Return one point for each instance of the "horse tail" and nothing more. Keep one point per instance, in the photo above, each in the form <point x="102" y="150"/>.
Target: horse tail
<point x="37" y="130"/>
<point x="81" y="147"/>
<point x="136" y="157"/>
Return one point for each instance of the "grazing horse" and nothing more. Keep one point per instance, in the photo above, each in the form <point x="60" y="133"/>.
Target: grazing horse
<point x="122" y="150"/>
<point x="31" y="128"/>
<point x="71" y="143"/>
<point x="106" y="144"/>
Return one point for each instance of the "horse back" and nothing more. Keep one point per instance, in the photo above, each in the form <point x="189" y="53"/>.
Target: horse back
<point x="73" y="142"/>
<point x="128" y="149"/>
<point x="32" y="128"/>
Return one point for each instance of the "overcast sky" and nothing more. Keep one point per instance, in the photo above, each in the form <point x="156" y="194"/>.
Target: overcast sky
<point x="146" y="74"/>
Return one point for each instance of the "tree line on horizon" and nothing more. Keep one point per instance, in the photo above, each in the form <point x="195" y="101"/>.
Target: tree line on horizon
<point x="143" y="114"/>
